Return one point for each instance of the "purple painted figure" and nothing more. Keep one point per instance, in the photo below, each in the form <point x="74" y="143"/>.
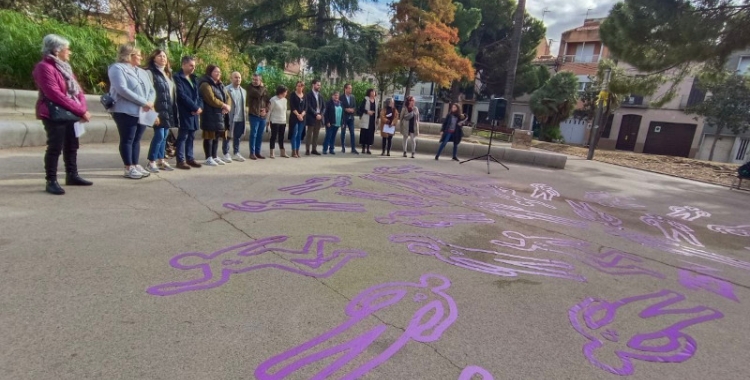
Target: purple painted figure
<point x="457" y="177"/>
<point x="672" y="230"/>
<point x="469" y="372"/>
<point x="743" y="230"/>
<point x="609" y="200"/>
<point x="509" y="265"/>
<point x="398" y="199"/>
<point x="405" y="184"/>
<point x="453" y="189"/>
<point x="590" y="213"/>
<point x="318" y="184"/>
<point x="431" y="309"/>
<point x="294" y="205"/>
<point x="687" y="213"/>
<point x="403" y="169"/>
<point x="522" y="214"/>
<point x="426" y="219"/>
<point x="714" y="285"/>
<point x="511" y="195"/>
<point x="545" y="192"/>
<point x="595" y="319"/>
<point x="216" y="268"/>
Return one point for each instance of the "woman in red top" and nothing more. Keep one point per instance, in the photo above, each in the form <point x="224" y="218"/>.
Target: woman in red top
<point x="57" y="85"/>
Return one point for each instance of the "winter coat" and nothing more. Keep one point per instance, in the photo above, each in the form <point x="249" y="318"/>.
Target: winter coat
<point x="214" y="96"/>
<point x="165" y="103"/>
<point x="257" y="99"/>
<point x="406" y="117"/>
<point x="131" y="88"/>
<point x="189" y="100"/>
<point x="52" y="86"/>
<point x="387" y="120"/>
<point x="459" y="132"/>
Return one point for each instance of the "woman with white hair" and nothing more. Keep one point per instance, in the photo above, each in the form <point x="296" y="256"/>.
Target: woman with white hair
<point x="61" y="104"/>
<point x="133" y="92"/>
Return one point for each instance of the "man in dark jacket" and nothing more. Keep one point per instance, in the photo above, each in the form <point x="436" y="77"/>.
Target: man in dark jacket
<point x="349" y="103"/>
<point x="189" y="106"/>
<point x="257" y="106"/>
<point x="316" y="108"/>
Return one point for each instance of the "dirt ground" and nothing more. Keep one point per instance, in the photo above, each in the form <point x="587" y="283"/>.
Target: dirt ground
<point x="704" y="171"/>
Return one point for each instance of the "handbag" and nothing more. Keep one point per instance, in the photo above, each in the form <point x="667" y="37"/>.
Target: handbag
<point x="59" y="114"/>
<point x="107" y="101"/>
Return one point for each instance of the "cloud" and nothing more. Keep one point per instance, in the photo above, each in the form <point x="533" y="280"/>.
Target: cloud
<point x="373" y="13"/>
<point x="563" y="16"/>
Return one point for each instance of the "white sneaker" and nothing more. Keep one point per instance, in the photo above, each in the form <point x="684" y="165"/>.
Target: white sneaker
<point x="210" y="162"/>
<point x="132" y="173"/>
<point x="145" y="173"/>
<point x="219" y="161"/>
<point x="227" y="159"/>
<point x="164" y="165"/>
<point x="238" y="157"/>
<point x="152" y="167"/>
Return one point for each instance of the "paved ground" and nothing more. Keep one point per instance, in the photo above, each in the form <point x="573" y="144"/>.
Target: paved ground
<point x="407" y="273"/>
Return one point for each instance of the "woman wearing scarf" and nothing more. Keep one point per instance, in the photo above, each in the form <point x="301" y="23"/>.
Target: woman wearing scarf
<point x="334" y="118"/>
<point x="214" y="119"/>
<point x="161" y="77"/>
<point x="451" y="131"/>
<point x="387" y="115"/>
<point x="410" y="125"/>
<point x="368" y="111"/>
<point x="57" y="85"/>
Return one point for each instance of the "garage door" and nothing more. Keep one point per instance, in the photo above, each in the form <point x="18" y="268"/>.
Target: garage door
<point x="669" y="139"/>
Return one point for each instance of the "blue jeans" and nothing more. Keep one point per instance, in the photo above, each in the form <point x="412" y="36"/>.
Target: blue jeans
<point x="297" y="134"/>
<point x="130" y="137"/>
<point x="237" y="132"/>
<point x="444" y="141"/>
<point x="158" y="144"/>
<point x="350" y="125"/>
<point x="330" y="140"/>
<point x="185" y="140"/>
<point x="257" y="127"/>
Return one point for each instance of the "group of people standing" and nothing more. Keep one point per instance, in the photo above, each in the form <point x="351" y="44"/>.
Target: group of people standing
<point x="151" y="95"/>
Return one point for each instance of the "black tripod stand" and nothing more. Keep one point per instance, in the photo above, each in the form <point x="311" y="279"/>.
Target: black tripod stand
<point x="487" y="156"/>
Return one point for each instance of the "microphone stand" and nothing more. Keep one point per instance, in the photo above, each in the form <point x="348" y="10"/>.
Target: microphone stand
<point x="488" y="156"/>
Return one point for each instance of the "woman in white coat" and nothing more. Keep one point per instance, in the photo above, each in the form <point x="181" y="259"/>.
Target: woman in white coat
<point x="410" y="124"/>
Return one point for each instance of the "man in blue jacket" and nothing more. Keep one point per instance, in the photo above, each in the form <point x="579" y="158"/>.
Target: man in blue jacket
<point x="189" y="106"/>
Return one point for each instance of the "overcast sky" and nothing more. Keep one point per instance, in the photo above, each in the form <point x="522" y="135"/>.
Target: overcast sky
<point x="561" y="16"/>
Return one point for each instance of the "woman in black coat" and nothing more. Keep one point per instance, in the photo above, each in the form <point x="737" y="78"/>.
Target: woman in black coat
<point x="161" y="75"/>
<point x="452" y="131"/>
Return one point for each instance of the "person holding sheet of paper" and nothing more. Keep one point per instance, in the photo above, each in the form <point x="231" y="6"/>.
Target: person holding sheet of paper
<point x="388" y="114"/>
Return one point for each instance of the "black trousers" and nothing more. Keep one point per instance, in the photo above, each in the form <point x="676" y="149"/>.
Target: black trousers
<point x="211" y="147"/>
<point x="61" y="138"/>
<point x="277" y="134"/>
<point x="387" y="142"/>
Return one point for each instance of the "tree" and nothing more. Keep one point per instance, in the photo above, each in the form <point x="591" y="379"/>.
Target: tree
<point x="466" y="21"/>
<point x="424" y="44"/>
<point x="727" y="106"/>
<point x="554" y="102"/>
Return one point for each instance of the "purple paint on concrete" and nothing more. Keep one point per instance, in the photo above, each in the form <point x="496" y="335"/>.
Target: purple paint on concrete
<point x="613" y="262"/>
<point x="522" y="214"/>
<point x="591" y="213"/>
<point x="432" y="313"/>
<point x="594" y="318"/>
<point x="217" y="267"/>
<point x="743" y="230"/>
<point x="405" y="184"/>
<point x="403" y="169"/>
<point x="469" y="372"/>
<point x="509" y="265"/>
<point x="457" y="177"/>
<point x="510" y="194"/>
<point x="318" y="184"/>
<point x="672" y="230"/>
<point x="609" y="200"/>
<point x="687" y="213"/>
<point x="702" y="269"/>
<point x="545" y="192"/>
<point x="295" y="205"/>
<point x="453" y="189"/>
<point x="714" y="285"/>
<point x="398" y="199"/>
<point x="426" y="219"/>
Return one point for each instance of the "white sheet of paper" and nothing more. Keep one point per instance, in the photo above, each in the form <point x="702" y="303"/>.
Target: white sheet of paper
<point x="148" y="118"/>
<point x="79" y="128"/>
<point x="389" y="129"/>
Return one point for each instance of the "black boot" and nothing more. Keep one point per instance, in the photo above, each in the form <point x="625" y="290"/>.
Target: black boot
<point x="73" y="179"/>
<point x="54" y="188"/>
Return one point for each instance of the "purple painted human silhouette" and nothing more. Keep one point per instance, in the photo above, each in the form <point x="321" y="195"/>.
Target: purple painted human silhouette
<point x="598" y="320"/>
<point x="469" y="372"/>
<point x="615" y="262"/>
<point x="431" y="310"/>
<point x="688" y="213"/>
<point x="398" y="199"/>
<point x="544" y="192"/>
<point x="523" y="214"/>
<point x="711" y="284"/>
<point x="402" y="169"/>
<point x="743" y="230"/>
<point x="591" y="213"/>
<point x="294" y="205"/>
<point x="511" y="195"/>
<point x="507" y="265"/>
<point x="448" y="188"/>
<point x="214" y="269"/>
<point x="426" y="219"/>
<point x="405" y="184"/>
<point x="607" y="199"/>
<point x="672" y="230"/>
<point x="318" y="184"/>
<point x="457" y="177"/>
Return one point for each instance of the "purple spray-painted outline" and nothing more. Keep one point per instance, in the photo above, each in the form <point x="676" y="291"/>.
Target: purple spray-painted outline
<point x="511" y="195"/>
<point x="711" y="284"/>
<point x="294" y="205"/>
<point x="405" y="184"/>
<point x="679" y="348"/>
<point x="676" y="232"/>
<point x="607" y="199"/>
<point x="544" y="191"/>
<point x="742" y="230"/>
<point x="412" y="218"/>
<point x="469" y="372"/>
<point x="457" y="177"/>
<point x="687" y="213"/>
<point x="367" y="303"/>
<point x="522" y="214"/>
<point x="398" y="199"/>
<point x="212" y="279"/>
<point x="316" y="184"/>
<point x="396" y="170"/>
<point x="591" y="213"/>
<point x="448" y="188"/>
<point x="431" y="246"/>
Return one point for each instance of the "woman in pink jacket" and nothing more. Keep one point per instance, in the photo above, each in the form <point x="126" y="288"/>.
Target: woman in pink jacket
<point x="58" y="86"/>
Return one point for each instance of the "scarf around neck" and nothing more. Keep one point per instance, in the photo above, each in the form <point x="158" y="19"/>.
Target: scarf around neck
<point x="67" y="72"/>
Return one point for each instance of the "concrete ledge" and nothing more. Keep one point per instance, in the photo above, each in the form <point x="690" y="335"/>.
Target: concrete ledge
<point x="12" y="134"/>
<point x="7" y="98"/>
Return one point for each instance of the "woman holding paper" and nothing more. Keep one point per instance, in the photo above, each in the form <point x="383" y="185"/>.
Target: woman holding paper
<point x="388" y="114"/>
<point x="58" y="86"/>
<point x="161" y="77"/>
<point x="134" y="95"/>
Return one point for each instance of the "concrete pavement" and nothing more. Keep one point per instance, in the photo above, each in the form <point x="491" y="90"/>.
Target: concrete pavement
<point x="421" y="272"/>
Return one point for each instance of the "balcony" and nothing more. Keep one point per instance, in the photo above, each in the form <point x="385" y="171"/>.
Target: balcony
<point x="634" y="101"/>
<point x="580" y="58"/>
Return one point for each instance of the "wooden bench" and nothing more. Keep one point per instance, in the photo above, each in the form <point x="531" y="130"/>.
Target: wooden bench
<point x="501" y="133"/>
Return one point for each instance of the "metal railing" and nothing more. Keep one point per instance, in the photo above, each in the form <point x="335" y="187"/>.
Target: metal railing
<point x="580" y="58"/>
